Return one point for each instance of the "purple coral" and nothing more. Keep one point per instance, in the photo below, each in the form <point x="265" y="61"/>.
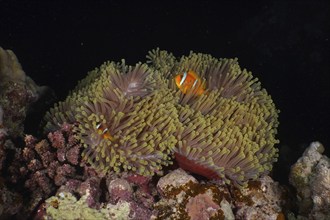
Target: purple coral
<point x="44" y="165"/>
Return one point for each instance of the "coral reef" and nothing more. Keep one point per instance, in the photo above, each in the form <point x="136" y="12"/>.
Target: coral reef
<point x="123" y="124"/>
<point x="310" y="175"/>
<point x="17" y="93"/>
<point x="221" y="125"/>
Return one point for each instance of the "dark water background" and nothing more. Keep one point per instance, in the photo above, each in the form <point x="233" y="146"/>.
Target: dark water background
<point x="284" y="44"/>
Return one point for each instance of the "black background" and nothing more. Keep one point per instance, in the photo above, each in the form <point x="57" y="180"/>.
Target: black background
<point x="284" y="44"/>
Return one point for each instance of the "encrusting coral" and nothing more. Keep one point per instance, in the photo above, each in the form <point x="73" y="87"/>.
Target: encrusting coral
<point x="66" y="206"/>
<point x="209" y="114"/>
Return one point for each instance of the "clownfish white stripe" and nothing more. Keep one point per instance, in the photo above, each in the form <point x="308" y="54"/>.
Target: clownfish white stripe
<point x="183" y="78"/>
<point x="195" y="83"/>
<point x="105" y="130"/>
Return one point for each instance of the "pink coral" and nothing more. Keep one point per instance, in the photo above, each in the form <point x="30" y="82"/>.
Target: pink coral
<point x="57" y="139"/>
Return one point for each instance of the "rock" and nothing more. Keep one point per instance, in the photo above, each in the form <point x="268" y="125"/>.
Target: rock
<point x="202" y="206"/>
<point x="310" y="175"/>
<point x="183" y="197"/>
<point x="262" y="199"/>
<point x="17" y="93"/>
<point x="120" y="189"/>
<point x="174" y="179"/>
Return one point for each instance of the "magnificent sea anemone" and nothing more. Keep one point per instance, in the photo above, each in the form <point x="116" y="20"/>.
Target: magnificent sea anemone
<point x="120" y="119"/>
<point x="208" y="114"/>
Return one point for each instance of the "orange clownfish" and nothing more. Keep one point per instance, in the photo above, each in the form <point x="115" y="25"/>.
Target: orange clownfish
<point x="190" y="81"/>
<point x="104" y="132"/>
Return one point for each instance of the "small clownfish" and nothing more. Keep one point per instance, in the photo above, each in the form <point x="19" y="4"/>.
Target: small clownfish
<point x="189" y="80"/>
<point x="104" y="132"/>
